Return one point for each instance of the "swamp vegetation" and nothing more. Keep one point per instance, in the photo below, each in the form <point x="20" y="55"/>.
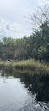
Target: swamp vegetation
<point x="26" y="66"/>
<point x="24" y="70"/>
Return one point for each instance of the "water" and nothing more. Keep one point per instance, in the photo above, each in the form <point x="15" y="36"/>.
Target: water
<point x="24" y="93"/>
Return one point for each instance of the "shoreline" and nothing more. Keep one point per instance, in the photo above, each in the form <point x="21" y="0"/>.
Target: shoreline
<point x="25" y="66"/>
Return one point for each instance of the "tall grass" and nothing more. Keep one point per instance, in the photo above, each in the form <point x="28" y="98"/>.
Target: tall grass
<point x="24" y="65"/>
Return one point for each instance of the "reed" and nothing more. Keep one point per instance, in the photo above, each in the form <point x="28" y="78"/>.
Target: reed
<point x="26" y="66"/>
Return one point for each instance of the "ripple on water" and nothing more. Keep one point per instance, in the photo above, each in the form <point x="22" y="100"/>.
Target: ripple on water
<point x="15" y="97"/>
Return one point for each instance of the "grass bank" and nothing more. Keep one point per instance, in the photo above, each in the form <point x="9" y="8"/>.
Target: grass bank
<point x="26" y="66"/>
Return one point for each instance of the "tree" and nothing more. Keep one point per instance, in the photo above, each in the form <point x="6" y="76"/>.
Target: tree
<point x="39" y="17"/>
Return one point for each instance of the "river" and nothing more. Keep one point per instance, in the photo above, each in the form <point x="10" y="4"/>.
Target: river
<point x="24" y="92"/>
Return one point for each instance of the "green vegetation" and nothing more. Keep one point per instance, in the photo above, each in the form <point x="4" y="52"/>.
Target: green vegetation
<point x="28" y="50"/>
<point x="36" y="46"/>
<point x="26" y="66"/>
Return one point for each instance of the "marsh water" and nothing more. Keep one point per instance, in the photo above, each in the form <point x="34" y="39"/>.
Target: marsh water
<point x="24" y="92"/>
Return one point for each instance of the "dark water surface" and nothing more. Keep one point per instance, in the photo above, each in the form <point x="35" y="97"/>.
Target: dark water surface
<point x="24" y="92"/>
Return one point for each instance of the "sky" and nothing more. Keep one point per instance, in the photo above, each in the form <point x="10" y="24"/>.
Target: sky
<point x="14" y="16"/>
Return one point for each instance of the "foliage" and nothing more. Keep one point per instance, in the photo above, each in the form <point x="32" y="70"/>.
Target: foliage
<point x="35" y="46"/>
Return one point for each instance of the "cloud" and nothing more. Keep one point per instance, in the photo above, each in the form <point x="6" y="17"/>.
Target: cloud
<point x="12" y="20"/>
<point x="7" y="27"/>
<point x="14" y="30"/>
<point x="43" y="2"/>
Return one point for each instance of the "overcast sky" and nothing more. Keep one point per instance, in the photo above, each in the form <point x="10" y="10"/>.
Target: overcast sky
<point x="13" y="13"/>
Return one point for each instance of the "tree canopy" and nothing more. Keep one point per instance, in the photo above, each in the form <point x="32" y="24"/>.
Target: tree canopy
<point x="35" y="46"/>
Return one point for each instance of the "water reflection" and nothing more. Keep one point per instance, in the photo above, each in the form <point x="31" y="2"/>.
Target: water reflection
<point x="38" y="84"/>
<point x="37" y="88"/>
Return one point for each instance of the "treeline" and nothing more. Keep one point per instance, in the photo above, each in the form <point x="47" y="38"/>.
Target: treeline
<point x="35" y="46"/>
